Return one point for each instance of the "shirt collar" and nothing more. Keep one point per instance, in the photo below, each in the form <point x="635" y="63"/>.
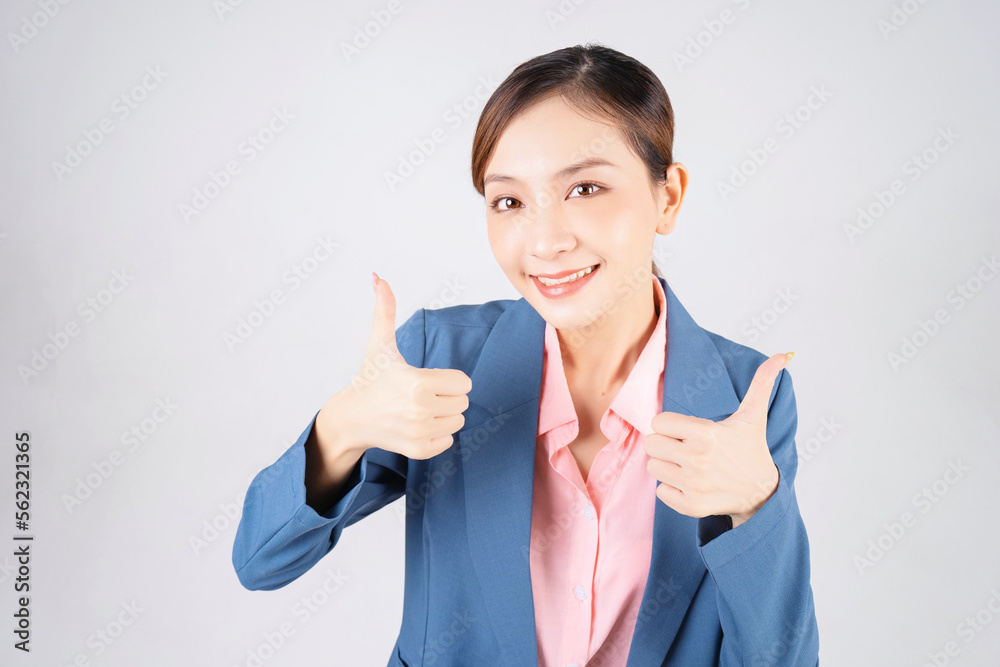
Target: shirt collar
<point x="640" y="396"/>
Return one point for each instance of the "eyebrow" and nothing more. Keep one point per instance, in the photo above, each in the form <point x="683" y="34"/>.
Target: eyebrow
<point x="586" y="163"/>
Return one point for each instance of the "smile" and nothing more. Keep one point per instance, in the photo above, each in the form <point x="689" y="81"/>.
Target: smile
<point x="549" y="282"/>
<point x="564" y="286"/>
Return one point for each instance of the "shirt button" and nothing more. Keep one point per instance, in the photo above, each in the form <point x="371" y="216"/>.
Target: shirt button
<point x="588" y="512"/>
<point x="580" y="593"/>
<point x="572" y="664"/>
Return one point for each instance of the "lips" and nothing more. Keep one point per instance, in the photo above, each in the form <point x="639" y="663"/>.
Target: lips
<point x="563" y="274"/>
<point x="569" y="286"/>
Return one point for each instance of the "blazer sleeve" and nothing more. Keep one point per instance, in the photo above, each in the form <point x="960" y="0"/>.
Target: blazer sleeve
<point x="761" y="568"/>
<point x="279" y="536"/>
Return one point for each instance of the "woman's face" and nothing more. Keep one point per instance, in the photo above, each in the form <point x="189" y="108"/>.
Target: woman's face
<point x="569" y="194"/>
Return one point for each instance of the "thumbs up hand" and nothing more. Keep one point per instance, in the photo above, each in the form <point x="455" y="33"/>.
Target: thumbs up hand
<point x="392" y="405"/>
<point x="717" y="468"/>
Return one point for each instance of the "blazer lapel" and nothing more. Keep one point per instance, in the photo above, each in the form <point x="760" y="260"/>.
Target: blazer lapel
<point x="498" y="449"/>
<point x="695" y="382"/>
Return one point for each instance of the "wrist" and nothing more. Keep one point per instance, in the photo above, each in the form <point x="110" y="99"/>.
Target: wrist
<point x="758" y="499"/>
<point x="334" y="433"/>
<point x="739" y="519"/>
<point x="331" y="455"/>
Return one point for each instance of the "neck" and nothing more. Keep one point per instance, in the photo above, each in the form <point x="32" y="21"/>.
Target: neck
<point x="602" y="358"/>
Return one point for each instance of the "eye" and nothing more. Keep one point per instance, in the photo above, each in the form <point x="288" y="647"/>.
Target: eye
<point x="495" y="204"/>
<point x="586" y="185"/>
<point x="505" y="200"/>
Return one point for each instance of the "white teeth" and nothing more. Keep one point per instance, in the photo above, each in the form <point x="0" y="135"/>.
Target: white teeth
<point x="548" y="282"/>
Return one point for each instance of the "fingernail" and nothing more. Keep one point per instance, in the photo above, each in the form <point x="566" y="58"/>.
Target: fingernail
<point x="375" y="282"/>
<point x="788" y="356"/>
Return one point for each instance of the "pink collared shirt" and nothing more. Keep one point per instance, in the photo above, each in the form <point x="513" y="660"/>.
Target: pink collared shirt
<point x="591" y="542"/>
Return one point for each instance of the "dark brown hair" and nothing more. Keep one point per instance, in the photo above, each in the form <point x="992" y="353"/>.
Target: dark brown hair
<point x="597" y="81"/>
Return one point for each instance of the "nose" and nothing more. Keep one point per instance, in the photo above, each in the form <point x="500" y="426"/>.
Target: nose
<point x="548" y="232"/>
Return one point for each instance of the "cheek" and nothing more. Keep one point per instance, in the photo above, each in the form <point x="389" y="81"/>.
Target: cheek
<point x="502" y="243"/>
<point x="632" y="227"/>
<point x="609" y="227"/>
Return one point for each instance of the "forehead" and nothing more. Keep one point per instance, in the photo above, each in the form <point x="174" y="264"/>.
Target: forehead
<point x="549" y="135"/>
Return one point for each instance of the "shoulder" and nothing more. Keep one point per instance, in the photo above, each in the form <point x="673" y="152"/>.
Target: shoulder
<point x="741" y="363"/>
<point x="482" y="315"/>
<point x="450" y="337"/>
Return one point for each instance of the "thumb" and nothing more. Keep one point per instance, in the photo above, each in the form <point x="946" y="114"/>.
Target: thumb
<point x="383" y="336"/>
<point x="753" y="408"/>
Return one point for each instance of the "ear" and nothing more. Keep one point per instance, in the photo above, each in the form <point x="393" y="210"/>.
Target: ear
<point x="670" y="196"/>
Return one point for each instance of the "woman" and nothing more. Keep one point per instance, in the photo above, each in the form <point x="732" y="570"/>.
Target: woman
<point x="590" y="477"/>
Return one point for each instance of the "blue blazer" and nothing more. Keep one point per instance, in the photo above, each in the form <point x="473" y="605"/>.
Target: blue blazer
<point x="715" y="595"/>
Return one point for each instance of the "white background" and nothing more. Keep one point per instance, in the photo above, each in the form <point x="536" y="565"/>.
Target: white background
<point x="63" y="234"/>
